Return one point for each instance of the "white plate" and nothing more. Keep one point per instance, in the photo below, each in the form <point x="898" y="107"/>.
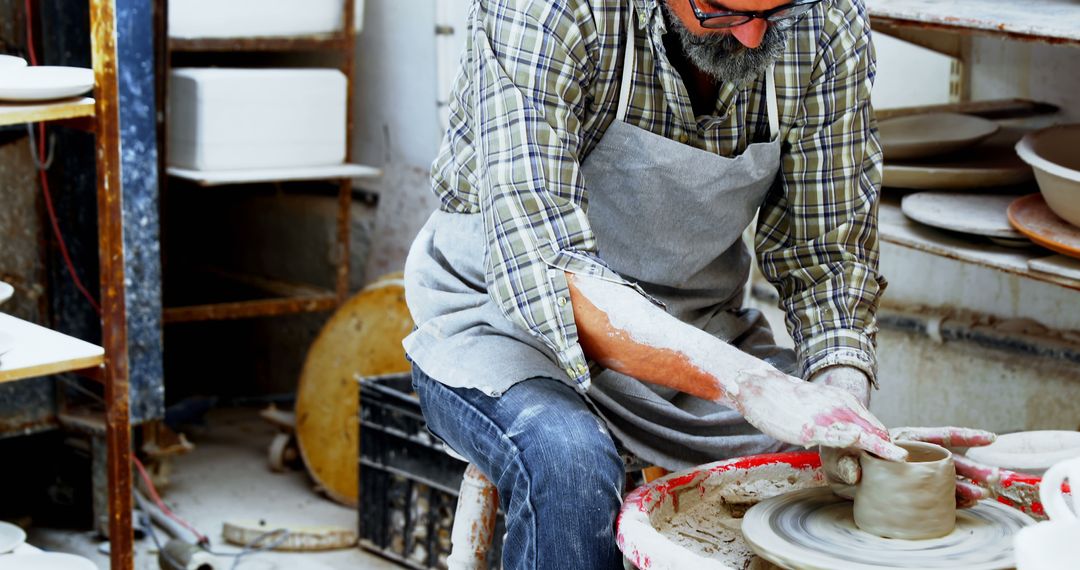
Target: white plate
<point x="11" y="61"/>
<point x="46" y="561"/>
<point x="11" y="537"/>
<point x="6" y="291"/>
<point x="43" y="82"/>
<point x="977" y="214"/>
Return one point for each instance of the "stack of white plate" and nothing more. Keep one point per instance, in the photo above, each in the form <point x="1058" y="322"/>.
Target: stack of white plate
<point x="15" y="554"/>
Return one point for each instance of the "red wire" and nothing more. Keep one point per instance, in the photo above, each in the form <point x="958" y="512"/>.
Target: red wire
<point x="41" y="149"/>
<point x="161" y="504"/>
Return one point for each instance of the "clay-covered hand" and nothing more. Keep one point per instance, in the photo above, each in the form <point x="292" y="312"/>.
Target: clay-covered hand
<point x="806" y="414"/>
<point x="842" y="469"/>
<point x="841" y="465"/>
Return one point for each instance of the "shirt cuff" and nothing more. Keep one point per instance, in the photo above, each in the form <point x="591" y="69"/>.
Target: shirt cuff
<point x="584" y="263"/>
<point x="841" y="347"/>
<point x="576" y="367"/>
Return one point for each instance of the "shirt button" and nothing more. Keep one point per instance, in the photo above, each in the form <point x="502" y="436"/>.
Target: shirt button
<point x="571" y="372"/>
<point x="683" y="138"/>
<point x="582" y="369"/>
<point x="562" y="301"/>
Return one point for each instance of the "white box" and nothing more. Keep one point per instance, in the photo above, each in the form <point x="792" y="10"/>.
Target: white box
<point x="227" y="119"/>
<point x="191" y="19"/>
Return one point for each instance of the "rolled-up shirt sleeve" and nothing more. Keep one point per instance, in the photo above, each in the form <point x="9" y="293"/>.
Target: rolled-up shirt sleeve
<point x="531" y="69"/>
<point x="817" y="238"/>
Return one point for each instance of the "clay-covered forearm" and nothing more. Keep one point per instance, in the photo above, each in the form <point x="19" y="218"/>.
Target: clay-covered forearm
<point x="623" y="331"/>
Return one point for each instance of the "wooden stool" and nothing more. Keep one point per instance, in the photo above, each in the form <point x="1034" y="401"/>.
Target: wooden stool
<point x="474" y="519"/>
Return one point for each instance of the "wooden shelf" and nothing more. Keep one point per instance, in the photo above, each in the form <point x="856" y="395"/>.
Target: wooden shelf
<point x="1055" y="21"/>
<point x="41" y="351"/>
<point x="326" y="42"/>
<point x="223" y="177"/>
<point x="210" y="294"/>
<point x="18" y="113"/>
<point x="897" y="229"/>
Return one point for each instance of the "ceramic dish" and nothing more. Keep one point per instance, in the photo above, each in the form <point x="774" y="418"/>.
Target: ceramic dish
<point x="1053" y="154"/>
<point x="7" y="61"/>
<point x="6" y="291"/>
<point x="932" y="134"/>
<point x="976" y="214"/>
<point x="43" y="83"/>
<point x="1032" y="217"/>
<point x="993" y="163"/>
<point x="11" y="537"/>
<point x="46" y="561"/>
<point x="1031" y="452"/>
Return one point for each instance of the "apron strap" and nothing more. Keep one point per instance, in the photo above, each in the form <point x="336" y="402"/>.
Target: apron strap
<point x="629" y="61"/>
<point x="770" y="97"/>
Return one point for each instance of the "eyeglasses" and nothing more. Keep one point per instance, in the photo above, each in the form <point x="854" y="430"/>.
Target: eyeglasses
<point x="785" y="15"/>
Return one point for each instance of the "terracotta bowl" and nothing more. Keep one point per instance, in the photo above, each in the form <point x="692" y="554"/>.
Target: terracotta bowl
<point x="1054" y="154"/>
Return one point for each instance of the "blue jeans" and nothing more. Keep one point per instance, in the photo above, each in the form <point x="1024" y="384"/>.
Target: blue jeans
<point x="559" y="475"/>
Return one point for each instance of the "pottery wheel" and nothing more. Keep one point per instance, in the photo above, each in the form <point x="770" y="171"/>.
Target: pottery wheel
<point x="814" y="530"/>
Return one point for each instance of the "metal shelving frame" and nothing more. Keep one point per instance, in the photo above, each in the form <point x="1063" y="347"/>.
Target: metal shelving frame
<point x="287" y="298"/>
<point x="100" y="115"/>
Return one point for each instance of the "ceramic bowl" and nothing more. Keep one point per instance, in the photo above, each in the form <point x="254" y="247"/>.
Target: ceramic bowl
<point x="1053" y="153"/>
<point x="1031" y="452"/>
<point x="932" y="134"/>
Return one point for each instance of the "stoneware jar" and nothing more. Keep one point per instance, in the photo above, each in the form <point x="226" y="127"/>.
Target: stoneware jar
<point x="913" y="500"/>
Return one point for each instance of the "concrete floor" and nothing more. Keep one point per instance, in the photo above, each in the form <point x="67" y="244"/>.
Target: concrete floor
<point x="227" y="477"/>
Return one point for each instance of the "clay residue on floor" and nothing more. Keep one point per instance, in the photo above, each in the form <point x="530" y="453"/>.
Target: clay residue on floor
<point x="708" y="518"/>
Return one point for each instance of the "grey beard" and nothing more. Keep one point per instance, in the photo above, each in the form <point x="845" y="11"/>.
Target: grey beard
<point x="723" y="58"/>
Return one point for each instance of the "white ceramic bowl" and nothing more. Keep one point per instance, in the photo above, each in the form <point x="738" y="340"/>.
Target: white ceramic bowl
<point x="1054" y="153"/>
<point x="1031" y="452"/>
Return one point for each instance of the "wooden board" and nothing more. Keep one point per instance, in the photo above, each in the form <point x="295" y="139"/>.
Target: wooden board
<point x="18" y="113"/>
<point x="362" y="338"/>
<point x="897" y="229"/>
<point x="1057" y="265"/>
<point x="1047" y="20"/>
<point x="39" y="351"/>
<point x="300" y="538"/>
<point x="222" y="177"/>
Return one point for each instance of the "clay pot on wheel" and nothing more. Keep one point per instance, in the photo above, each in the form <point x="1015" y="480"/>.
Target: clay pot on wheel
<point x="914" y="500"/>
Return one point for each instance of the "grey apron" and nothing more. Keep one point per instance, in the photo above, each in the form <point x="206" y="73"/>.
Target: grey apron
<point x="671" y="217"/>
<point x="665" y="214"/>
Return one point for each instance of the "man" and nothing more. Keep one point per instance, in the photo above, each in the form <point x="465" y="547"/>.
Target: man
<point x="579" y="292"/>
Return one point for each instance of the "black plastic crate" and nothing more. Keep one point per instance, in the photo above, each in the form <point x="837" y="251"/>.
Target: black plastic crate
<point x="408" y="483"/>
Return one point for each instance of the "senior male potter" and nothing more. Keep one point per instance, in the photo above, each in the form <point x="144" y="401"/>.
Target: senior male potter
<point x="579" y="292"/>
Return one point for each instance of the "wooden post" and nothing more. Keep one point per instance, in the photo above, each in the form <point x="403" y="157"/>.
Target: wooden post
<point x="111" y="252"/>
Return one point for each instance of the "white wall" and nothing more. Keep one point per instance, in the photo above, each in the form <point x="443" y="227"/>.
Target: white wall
<point x="396" y="123"/>
<point x="1042" y="72"/>
<point x="909" y="75"/>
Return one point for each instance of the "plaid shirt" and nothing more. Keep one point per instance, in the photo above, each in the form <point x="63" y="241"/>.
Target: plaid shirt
<point x="538" y="86"/>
